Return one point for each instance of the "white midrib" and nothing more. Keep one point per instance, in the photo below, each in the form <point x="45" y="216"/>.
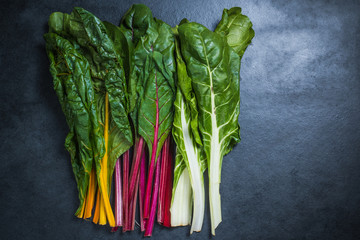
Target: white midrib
<point x="195" y="174"/>
<point x="214" y="169"/>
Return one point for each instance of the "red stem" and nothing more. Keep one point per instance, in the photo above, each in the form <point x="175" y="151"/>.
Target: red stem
<point x="118" y="195"/>
<point x="153" y="158"/>
<point x="168" y="191"/>
<point x="125" y="190"/>
<point x="139" y="148"/>
<point x="154" y="198"/>
<point x="142" y="190"/>
<point x="163" y="178"/>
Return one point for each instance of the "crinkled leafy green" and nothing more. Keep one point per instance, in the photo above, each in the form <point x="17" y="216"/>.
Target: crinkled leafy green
<point x="184" y="83"/>
<point x="75" y="90"/>
<point x="152" y="75"/>
<point x="134" y="26"/>
<point x="151" y="84"/>
<point x="98" y="44"/>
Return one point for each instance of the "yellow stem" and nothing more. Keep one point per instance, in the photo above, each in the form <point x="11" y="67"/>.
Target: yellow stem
<point x="103" y="172"/>
<point x="102" y="219"/>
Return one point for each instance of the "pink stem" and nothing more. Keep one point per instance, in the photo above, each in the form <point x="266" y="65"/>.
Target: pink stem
<point x="163" y="178"/>
<point x="125" y="190"/>
<point x="168" y="194"/>
<point x="154" y="198"/>
<point x="139" y="148"/>
<point x="118" y="195"/>
<point x="142" y="189"/>
<point x="132" y="209"/>
<point x="153" y="158"/>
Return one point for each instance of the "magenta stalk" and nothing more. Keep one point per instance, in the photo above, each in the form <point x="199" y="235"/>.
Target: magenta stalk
<point x="154" y="198"/>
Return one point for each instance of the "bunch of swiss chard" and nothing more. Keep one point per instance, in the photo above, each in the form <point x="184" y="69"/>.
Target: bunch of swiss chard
<point x="144" y="90"/>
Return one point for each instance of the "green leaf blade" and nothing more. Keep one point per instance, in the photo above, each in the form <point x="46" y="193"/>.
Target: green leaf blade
<point x="72" y="83"/>
<point x="237" y="29"/>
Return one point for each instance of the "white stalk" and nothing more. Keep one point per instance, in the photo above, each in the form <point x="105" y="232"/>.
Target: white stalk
<point x="196" y="176"/>
<point x="181" y="206"/>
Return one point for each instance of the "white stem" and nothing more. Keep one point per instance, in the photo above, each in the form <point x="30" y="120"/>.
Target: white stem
<point x="181" y="206"/>
<point x="196" y="175"/>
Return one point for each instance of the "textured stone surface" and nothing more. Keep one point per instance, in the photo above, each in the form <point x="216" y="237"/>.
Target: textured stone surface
<point x="296" y="173"/>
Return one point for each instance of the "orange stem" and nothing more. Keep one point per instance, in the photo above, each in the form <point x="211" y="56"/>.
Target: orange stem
<point x="97" y="208"/>
<point x="90" y="195"/>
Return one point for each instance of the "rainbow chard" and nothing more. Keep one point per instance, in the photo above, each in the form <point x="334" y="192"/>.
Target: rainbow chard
<point x="98" y="43"/>
<point x="214" y="68"/>
<point x="156" y="105"/>
<point x="133" y="26"/>
<point x="151" y="88"/>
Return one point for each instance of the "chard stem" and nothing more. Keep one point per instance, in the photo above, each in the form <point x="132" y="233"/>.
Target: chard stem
<point x="154" y="198"/>
<point x="91" y="194"/>
<point x="125" y="191"/>
<point x="132" y="206"/>
<point x="104" y="186"/>
<point x="168" y="190"/>
<point x="142" y="190"/>
<point x="139" y="148"/>
<point x="118" y="195"/>
<point x="97" y="208"/>
<point x="163" y="178"/>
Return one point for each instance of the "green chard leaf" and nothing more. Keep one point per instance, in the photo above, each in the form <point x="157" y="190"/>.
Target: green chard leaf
<point x="214" y="69"/>
<point x="74" y="88"/>
<point x="236" y="28"/>
<point x="184" y="83"/>
<point x="134" y="26"/>
<point x="151" y="83"/>
<point x="101" y="44"/>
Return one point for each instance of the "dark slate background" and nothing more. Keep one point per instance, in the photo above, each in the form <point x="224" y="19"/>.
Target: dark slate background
<point x="296" y="173"/>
